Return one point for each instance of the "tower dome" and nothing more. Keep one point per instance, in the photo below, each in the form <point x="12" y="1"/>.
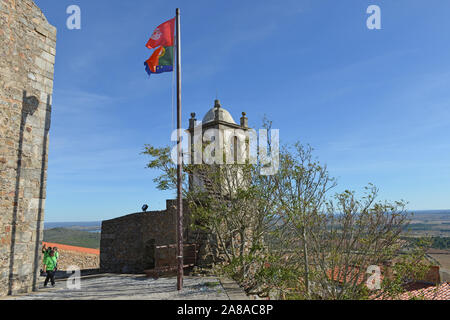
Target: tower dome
<point x="224" y="114"/>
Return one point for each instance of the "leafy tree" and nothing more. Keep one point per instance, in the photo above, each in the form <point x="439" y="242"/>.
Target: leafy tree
<point x="301" y="186"/>
<point x="233" y="205"/>
<point x="286" y="234"/>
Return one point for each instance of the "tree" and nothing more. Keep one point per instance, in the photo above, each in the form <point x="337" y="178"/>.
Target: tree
<point x="348" y="239"/>
<point x="302" y="184"/>
<point x="353" y="237"/>
<point x="285" y="233"/>
<point x="232" y="206"/>
<point x="233" y="210"/>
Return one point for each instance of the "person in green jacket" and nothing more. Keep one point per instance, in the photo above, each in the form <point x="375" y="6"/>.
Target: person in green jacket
<point x="50" y="268"/>
<point x="45" y="252"/>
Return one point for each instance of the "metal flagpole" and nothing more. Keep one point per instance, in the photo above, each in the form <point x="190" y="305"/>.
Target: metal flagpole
<point x="179" y="163"/>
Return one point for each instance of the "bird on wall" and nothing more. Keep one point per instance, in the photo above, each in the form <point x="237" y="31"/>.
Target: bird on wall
<point x="144" y="208"/>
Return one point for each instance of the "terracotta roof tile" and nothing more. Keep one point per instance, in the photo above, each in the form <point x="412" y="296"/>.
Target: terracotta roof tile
<point x="72" y="248"/>
<point x="426" y="292"/>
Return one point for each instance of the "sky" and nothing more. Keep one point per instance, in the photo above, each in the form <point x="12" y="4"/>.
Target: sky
<point x="374" y="104"/>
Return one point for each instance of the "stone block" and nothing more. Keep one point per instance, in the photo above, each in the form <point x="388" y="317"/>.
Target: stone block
<point x="40" y="63"/>
<point x="40" y="29"/>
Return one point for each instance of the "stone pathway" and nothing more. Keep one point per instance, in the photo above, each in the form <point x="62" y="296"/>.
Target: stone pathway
<point x="137" y="287"/>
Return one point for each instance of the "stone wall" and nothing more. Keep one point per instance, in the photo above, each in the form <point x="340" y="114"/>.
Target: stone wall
<point x="27" y="57"/>
<point x="127" y="242"/>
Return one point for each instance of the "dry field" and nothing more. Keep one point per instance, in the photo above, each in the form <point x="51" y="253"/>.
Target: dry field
<point x="443" y="257"/>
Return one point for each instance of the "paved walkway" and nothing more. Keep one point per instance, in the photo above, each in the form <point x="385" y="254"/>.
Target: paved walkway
<point x="137" y="287"/>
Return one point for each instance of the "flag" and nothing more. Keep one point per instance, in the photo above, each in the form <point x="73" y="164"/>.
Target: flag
<point x="163" y="35"/>
<point x="160" y="61"/>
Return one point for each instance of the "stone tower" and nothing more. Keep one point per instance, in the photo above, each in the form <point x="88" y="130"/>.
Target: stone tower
<point x="217" y="127"/>
<point x="230" y="141"/>
<point x="128" y="243"/>
<point x="27" y="58"/>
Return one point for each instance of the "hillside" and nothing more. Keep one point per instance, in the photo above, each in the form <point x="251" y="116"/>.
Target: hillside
<point x="73" y="237"/>
<point x="81" y="226"/>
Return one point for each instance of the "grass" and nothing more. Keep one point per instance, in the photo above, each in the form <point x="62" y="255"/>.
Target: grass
<point x="73" y="238"/>
<point x="211" y="284"/>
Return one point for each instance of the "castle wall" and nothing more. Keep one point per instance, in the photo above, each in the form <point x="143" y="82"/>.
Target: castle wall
<point x="121" y="244"/>
<point x="127" y="242"/>
<point x="27" y="57"/>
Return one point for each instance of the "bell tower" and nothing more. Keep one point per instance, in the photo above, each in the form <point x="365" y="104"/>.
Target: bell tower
<point x="217" y="139"/>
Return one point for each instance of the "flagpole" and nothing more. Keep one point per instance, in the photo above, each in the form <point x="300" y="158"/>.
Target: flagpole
<point x="179" y="163"/>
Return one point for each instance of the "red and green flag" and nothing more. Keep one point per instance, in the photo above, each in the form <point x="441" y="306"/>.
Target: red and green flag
<point x="163" y="40"/>
<point x="160" y="61"/>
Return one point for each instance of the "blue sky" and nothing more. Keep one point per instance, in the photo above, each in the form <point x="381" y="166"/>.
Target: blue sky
<point x="375" y="104"/>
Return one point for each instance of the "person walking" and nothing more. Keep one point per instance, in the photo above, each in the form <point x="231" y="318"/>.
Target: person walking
<point x="50" y="268"/>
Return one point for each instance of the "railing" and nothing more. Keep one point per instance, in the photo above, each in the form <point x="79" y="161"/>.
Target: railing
<point x="166" y="259"/>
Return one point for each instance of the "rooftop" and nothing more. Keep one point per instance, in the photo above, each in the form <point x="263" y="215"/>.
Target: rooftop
<point x="425" y="292"/>
<point x="211" y="114"/>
